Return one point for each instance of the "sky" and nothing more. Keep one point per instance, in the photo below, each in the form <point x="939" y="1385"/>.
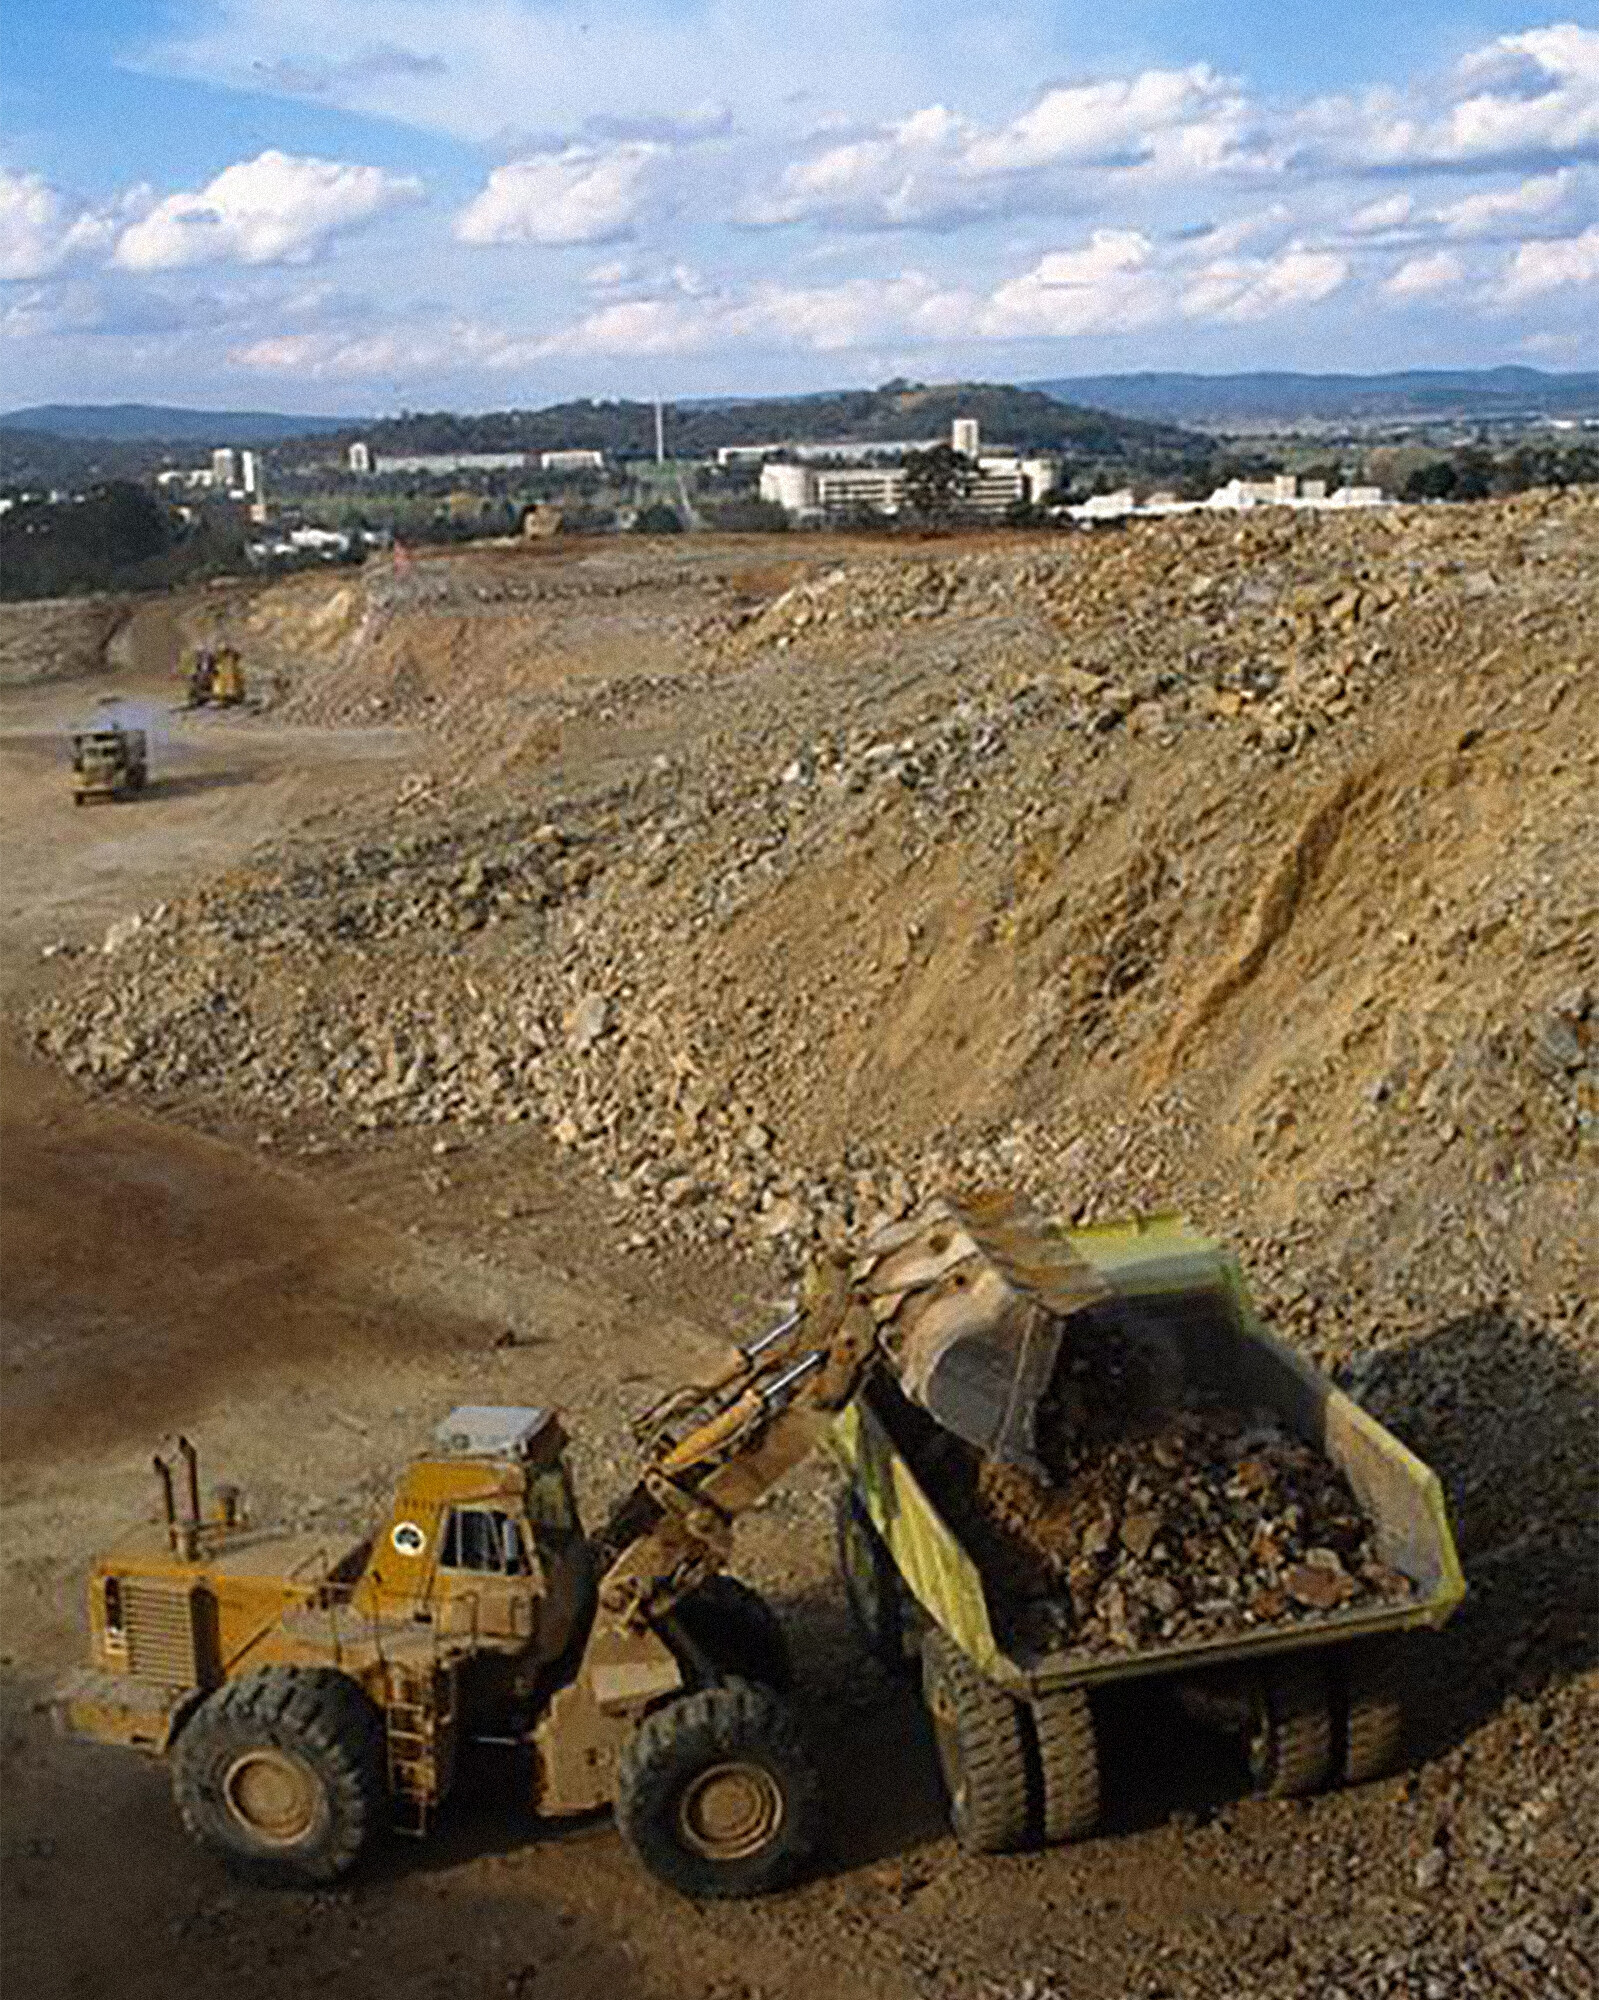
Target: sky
<point x="331" y="206"/>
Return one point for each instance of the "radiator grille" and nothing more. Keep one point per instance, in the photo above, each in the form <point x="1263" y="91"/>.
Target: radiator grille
<point x="160" y="1626"/>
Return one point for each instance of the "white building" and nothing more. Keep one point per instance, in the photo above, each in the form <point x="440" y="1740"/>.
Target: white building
<point x="224" y="468"/>
<point x="249" y="474"/>
<point x="964" y="436"/>
<point x="828" y="492"/>
<point x="572" y="461"/>
<point x="360" y="457"/>
<point x="453" y="461"/>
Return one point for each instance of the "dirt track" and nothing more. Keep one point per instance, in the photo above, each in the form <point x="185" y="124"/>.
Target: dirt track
<point x="307" y="1308"/>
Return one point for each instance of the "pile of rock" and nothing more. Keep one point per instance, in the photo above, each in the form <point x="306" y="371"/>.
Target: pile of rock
<point x="1190" y="1524"/>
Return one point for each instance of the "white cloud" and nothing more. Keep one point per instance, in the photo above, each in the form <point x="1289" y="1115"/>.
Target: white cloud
<point x="1422" y="277"/>
<point x="1248" y="288"/>
<point x="487" y="70"/>
<point x="1191" y="119"/>
<point x="43" y="231"/>
<point x="1524" y="99"/>
<point x="936" y="167"/>
<point x="1108" y="286"/>
<point x="1538" y="268"/>
<point x="1500" y="211"/>
<point x="581" y="194"/>
<point x="278" y="208"/>
<point x="1382" y="218"/>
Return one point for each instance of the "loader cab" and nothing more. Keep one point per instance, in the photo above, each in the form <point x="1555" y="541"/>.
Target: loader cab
<point x="483" y="1542"/>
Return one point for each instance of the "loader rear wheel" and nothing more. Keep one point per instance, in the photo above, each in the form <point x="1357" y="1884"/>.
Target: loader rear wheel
<point x="1068" y="1763"/>
<point x="281" y="1774"/>
<point x="717" y="1795"/>
<point x="872" y="1586"/>
<point x="982" y="1749"/>
<point x="1373" y="1713"/>
<point x="1289" y="1738"/>
<point x="738" y="1631"/>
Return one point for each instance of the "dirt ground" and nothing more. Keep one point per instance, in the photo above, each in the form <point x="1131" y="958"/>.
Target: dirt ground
<point x="306" y="1307"/>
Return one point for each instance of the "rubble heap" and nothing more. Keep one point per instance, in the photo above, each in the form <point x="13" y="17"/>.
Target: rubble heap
<point x="1168" y="1526"/>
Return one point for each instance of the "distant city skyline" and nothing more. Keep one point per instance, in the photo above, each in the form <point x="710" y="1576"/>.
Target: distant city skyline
<point x="478" y="203"/>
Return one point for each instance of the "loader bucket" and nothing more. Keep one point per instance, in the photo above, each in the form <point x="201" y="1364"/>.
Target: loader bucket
<point x="971" y="1300"/>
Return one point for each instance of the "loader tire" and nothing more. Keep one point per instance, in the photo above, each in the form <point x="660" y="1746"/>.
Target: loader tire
<point x="1373" y="1713"/>
<point x="738" y="1631"/>
<point x="717" y="1794"/>
<point x="1068" y="1764"/>
<point x="281" y="1774"/>
<point x="982" y="1749"/>
<point x="1289" y="1740"/>
<point x="872" y="1586"/>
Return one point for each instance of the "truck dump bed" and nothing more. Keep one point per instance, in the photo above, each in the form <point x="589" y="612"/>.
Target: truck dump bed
<point x="1196" y="1289"/>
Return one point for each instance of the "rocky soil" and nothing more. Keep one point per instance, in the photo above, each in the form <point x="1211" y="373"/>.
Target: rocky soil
<point x="1247" y="866"/>
<point x="56" y="638"/>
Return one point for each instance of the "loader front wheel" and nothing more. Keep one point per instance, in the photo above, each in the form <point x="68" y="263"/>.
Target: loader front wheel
<point x="281" y="1775"/>
<point x="717" y="1795"/>
<point x="1289" y="1740"/>
<point x="982" y="1749"/>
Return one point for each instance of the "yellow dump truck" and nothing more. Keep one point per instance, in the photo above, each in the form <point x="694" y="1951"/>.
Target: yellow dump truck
<point x="110" y="762"/>
<point x="308" y="1693"/>
<point x="1314" y="1700"/>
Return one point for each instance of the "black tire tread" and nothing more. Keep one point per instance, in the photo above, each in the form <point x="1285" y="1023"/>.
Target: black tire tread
<point x="1299" y="1751"/>
<point x="992" y="1748"/>
<point x="714" y="1722"/>
<point x="1373" y="1715"/>
<point x="1068" y="1759"/>
<point x="319" y="1711"/>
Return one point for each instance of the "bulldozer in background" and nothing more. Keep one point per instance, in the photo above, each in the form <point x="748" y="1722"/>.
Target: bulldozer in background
<point x="215" y="678"/>
<point x="306" y="1696"/>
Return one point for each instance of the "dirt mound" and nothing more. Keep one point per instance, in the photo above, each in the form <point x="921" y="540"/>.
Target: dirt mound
<point x="56" y="638"/>
<point x="1294" y="909"/>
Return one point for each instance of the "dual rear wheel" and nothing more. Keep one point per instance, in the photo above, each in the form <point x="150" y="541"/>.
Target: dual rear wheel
<point x="1017" y="1773"/>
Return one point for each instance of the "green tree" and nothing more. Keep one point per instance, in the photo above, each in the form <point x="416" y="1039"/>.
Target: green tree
<point x="937" y="482"/>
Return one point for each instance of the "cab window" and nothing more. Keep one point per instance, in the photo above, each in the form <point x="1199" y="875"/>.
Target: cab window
<point x="485" y="1540"/>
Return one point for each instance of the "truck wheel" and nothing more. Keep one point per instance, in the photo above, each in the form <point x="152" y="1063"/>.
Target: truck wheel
<point x="717" y="1795"/>
<point x="1068" y="1763"/>
<point x="872" y="1585"/>
<point x="737" y="1629"/>
<point x="1373" y="1714"/>
<point x="1289" y="1738"/>
<point x="982" y="1752"/>
<point x="281" y="1774"/>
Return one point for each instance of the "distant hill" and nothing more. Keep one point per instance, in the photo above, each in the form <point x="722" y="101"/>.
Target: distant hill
<point x="155" y="423"/>
<point x="899" y="410"/>
<point x="1257" y="398"/>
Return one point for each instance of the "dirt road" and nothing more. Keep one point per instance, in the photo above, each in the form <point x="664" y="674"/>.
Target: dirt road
<point x="307" y="1305"/>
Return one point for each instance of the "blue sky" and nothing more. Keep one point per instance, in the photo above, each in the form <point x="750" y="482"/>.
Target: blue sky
<point x="323" y="205"/>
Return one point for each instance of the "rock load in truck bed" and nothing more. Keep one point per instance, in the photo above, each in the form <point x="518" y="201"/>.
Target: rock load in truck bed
<point x="1163" y="1524"/>
<point x="1104" y="1439"/>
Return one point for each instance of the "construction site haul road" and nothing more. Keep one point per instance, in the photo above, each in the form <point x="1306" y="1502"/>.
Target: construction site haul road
<point x="570" y="948"/>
